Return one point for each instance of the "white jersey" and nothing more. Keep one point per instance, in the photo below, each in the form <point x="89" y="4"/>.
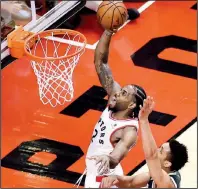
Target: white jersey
<point x="104" y="129"/>
<point x="101" y="145"/>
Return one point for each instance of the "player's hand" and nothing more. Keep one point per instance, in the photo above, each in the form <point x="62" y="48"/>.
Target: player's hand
<point x="147" y="108"/>
<point x="104" y="161"/>
<point x="109" y="181"/>
<point x="110" y="32"/>
<point x="113" y="180"/>
<point x="114" y="30"/>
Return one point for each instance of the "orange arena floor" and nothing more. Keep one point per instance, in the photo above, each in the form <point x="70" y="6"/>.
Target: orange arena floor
<point x="69" y="127"/>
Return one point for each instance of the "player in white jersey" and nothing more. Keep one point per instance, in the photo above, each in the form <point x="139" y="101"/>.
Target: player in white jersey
<point x="163" y="163"/>
<point x="107" y="133"/>
<point x="116" y="131"/>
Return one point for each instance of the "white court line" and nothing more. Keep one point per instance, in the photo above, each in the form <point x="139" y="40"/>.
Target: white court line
<point x="88" y="46"/>
<point x="68" y="42"/>
<point x="93" y="47"/>
<point x="140" y="10"/>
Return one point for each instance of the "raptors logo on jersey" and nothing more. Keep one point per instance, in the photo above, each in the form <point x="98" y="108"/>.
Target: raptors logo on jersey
<point x="104" y="129"/>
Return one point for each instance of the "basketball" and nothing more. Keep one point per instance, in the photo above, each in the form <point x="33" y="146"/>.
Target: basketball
<point x="111" y="15"/>
<point x="79" y="76"/>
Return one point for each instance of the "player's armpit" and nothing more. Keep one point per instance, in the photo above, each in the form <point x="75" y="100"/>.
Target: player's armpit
<point x="128" y="139"/>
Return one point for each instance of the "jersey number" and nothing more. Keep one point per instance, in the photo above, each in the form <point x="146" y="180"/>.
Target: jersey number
<point x="96" y="133"/>
<point x="102" y="128"/>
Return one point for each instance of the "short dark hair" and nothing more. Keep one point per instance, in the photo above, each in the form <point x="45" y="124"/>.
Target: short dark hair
<point x="179" y="155"/>
<point x="139" y="99"/>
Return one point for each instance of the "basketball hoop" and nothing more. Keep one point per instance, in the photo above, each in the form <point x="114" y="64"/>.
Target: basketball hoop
<point x="54" y="55"/>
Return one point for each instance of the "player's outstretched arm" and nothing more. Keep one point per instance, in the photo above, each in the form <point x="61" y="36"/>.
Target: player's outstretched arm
<point x="101" y="64"/>
<point x="160" y="177"/>
<point x="134" y="181"/>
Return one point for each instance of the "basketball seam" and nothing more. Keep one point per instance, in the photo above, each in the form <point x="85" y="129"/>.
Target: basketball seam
<point x="121" y="15"/>
<point x="119" y="11"/>
<point x="119" y="6"/>
<point x="123" y="8"/>
<point x="112" y="18"/>
<point x="103" y="6"/>
<point x="104" y="14"/>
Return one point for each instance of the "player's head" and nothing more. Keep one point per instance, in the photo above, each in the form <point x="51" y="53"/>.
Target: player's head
<point x="130" y="97"/>
<point x="173" y="155"/>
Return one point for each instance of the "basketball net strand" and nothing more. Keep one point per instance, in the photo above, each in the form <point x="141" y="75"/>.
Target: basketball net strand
<point x="54" y="77"/>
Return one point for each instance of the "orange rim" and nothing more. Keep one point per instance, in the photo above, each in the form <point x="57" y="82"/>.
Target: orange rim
<point x="57" y="32"/>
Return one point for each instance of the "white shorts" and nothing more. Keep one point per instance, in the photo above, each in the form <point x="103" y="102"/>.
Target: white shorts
<point x="93" y="180"/>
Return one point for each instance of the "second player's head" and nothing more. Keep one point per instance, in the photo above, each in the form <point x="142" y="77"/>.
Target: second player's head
<point x="173" y="155"/>
<point x="129" y="98"/>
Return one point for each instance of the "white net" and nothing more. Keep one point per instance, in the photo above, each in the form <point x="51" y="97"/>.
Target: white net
<point x="58" y="55"/>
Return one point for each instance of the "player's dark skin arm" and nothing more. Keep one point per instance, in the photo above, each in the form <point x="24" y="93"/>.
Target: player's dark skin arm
<point x="128" y="139"/>
<point x="101" y="64"/>
<point x="111" y="87"/>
